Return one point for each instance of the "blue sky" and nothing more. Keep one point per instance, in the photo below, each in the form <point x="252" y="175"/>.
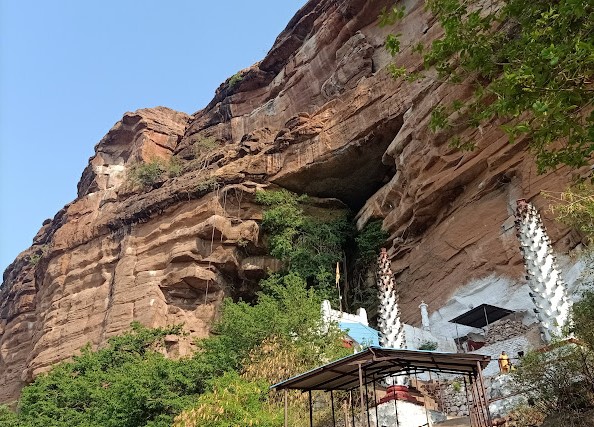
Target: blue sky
<point x="69" y="70"/>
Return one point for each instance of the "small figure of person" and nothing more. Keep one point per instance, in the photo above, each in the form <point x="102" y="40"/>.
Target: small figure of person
<point x="504" y="363"/>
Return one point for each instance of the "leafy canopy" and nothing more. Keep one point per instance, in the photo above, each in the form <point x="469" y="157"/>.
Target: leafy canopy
<point x="531" y="64"/>
<point x="129" y="383"/>
<point x="286" y="309"/>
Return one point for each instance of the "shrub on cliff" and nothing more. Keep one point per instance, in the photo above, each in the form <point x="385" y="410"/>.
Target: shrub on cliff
<point x="309" y="246"/>
<point x="575" y="207"/>
<point x="148" y="173"/>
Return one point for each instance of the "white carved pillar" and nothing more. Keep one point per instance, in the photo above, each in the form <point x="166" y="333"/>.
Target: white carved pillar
<point x="424" y="316"/>
<point x="549" y="291"/>
<point x="390" y="325"/>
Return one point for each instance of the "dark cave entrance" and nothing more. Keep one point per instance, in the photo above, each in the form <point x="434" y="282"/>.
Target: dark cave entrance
<point x="352" y="174"/>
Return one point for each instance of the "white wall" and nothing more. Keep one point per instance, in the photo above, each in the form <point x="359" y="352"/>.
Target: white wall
<point x="511" y="346"/>
<point x="409" y="415"/>
<point x="417" y="336"/>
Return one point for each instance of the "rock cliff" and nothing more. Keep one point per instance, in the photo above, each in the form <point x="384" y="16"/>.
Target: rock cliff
<point x="318" y="115"/>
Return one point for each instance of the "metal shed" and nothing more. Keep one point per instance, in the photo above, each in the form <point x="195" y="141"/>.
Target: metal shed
<point x="376" y="363"/>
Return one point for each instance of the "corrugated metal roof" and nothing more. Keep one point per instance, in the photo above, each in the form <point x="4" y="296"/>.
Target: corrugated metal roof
<point x="362" y="334"/>
<point x="377" y="363"/>
<point x="482" y="315"/>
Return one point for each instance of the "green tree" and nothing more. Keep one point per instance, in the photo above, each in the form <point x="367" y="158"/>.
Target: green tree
<point x="286" y="308"/>
<point x="532" y="67"/>
<point x="279" y="336"/>
<point x="129" y="383"/>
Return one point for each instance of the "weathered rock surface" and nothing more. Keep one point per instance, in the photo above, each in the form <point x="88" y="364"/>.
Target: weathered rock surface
<point x="318" y="115"/>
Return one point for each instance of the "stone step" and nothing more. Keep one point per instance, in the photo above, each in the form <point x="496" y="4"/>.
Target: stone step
<point x="454" y="422"/>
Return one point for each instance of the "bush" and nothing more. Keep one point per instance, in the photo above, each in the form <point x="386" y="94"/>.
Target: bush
<point x="206" y="184"/>
<point x="285" y="309"/>
<point x="232" y="401"/>
<point x="147" y="174"/>
<point x="154" y="171"/>
<point x="561" y="380"/>
<point x="582" y="319"/>
<point x="127" y="384"/>
<point x="204" y="145"/>
<point x="428" y="345"/>
<point x="235" y="79"/>
<point x="369" y="242"/>
<point x="575" y="207"/>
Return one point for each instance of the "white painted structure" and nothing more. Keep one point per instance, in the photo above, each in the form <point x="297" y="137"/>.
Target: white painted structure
<point x="424" y="316"/>
<point x="408" y="415"/>
<point x="330" y="315"/>
<point x="548" y="289"/>
<point x="390" y="326"/>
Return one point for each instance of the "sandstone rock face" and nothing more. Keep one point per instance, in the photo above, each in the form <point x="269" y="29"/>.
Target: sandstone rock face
<point x="318" y="115"/>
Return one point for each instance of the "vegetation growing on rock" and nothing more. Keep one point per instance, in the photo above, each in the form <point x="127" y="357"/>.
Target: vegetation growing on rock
<point x="530" y="64"/>
<point x="575" y="207"/>
<point x="128" y="383"/>
<point x="309" y="246"/>
<point x="149" y="173"/>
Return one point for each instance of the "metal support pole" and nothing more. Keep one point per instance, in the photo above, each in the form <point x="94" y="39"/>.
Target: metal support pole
<point x="352" y="408"/>
<point x="484" y="392"/>
<point x="375" y="401"/>
<point x="361" y="393"/>
<point x="310" y="411"/>
<point x="332" y="403"/>
<point x="367" y="401"/>
<point x="286" y="408"/>
<point x="396" y="411"/>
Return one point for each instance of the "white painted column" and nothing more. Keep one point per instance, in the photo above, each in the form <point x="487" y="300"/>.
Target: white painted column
<point x="549" y="291"/>
<point x="390" y="325"/>
<point x="425" y="316"/>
